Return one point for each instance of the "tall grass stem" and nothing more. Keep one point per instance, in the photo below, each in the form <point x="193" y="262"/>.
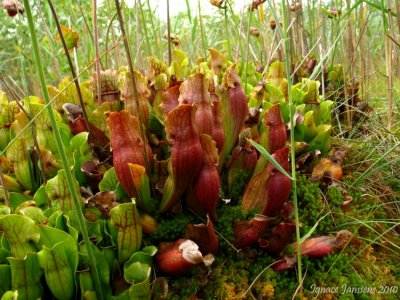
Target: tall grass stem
<point x="63" y="156"/>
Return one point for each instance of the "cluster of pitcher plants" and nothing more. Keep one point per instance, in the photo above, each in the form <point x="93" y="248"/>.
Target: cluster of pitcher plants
<point x="164" y="141"/>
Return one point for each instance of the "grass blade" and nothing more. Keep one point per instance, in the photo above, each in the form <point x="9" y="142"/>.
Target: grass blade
<point x="269" y="157"/>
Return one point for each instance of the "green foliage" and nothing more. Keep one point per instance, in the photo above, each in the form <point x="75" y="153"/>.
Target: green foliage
<point x="172" y="228"/>
<point x="239" y="183"/>
<point x="228" y="214"/>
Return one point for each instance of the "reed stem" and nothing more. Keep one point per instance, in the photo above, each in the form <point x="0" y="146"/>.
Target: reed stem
<point x="63" y="156"/>
<point x="286" y="47"/>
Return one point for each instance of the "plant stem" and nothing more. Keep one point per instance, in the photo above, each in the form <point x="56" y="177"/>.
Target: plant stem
<point x="138" y="32"/>
<point x="389" y="67"/>
<point x="203" y="33"/>
<point x="50" y="40"/>
<point x="227" y="32"/>
<point x="292" y="140"/>
<point x="109" y="28"/>
<point x="63" y="155"/>
<point x="149" y="51"/>
<point x="154" y="30"/>
<point x="169" y="35"/>
<point x="188" y="11"/>
<point x="96" y="51"/>
<point x="247" y="49"/>
<point x="71" y="65"/>
<point x="88" y="29"/>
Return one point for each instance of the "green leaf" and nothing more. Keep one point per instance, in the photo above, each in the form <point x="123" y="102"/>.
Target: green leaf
<point x="85" y="282"/>
<point x="50" y="236"/>
<point x="7" y="113"/>
<point x="298" y="95"/>
<point x="275" y="94"/>
<point x="109" y="181"/>
<point x="5" y="275"/>
<point x="4" y="210"/>
<point x="10" y="295"/>
<point x="142" y="185"/>
<point x="137" y="272"/>
<point x="144" y="256"/>
<point x="16" y="199"/>
<point x="98" y="117"/>
<point x="126" y="218"/>
<point x="17" y="156"/>
<point x="26" y="276"/>
<point x="21" y="234"/>
<point x="58" y="192"/>
<point x="69" y="93"/>
<point x="269" y="157"/>
<point x="4" y="137"/>
<point x="59" y="268"/>
<point x="322" y="141"/>
<point x="70" y="36"/>
<point x="44" y="130"/>
<point x="311" y="88"/>
<point x="40" y="197"/>
<point x="34" y="213"/>
<point x="59" y="260"/>
<point x="71" y="227"/>
<point x="311" y="231"/>
<point x="4" y="250"/>
<point x="102" y="267"/>
<point x="326" y="111"/>
<point x="309" y="123"/>
<point x="81" y="153"/>
<point x="78" y="141"/>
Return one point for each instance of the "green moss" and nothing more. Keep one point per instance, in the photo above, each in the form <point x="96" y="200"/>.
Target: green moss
<point x="233" y="272"/>
<point x="311" y="205"/>
<point x="183" y="288"/>
<point x="334" y="197"/>
<point x="228" y="214"/>
<point x="238" y="186"/>
<point x="171" y="228"/>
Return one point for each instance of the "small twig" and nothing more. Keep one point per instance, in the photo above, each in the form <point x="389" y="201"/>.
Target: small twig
<point x="300" y="285"/>
<point x="20" y="91"/>
<point x="258" y="276"/>
<point x="10" y="92"/>
<point x="393" y="40"/>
